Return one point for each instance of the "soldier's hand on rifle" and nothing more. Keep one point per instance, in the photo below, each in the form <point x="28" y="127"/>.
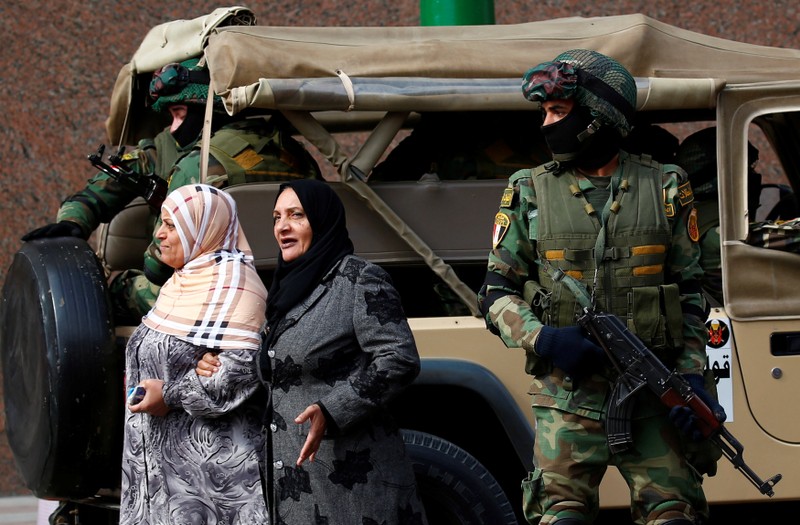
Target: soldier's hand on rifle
<point x="684" y="418"/>
<point x="569" y="349"/>
<point x="58" y="229"/>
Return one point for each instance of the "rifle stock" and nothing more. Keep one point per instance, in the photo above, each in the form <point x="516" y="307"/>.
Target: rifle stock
<point x="639" y="367"/>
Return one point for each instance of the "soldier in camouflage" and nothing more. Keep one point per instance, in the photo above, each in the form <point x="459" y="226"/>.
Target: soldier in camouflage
<point x="624" y="226"/>
<point x="241" y="150"/>
<point x="775" y="235"/>
<point x="697" y="154"/>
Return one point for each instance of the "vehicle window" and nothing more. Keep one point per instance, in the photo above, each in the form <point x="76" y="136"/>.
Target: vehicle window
<point x="776" y="140"/>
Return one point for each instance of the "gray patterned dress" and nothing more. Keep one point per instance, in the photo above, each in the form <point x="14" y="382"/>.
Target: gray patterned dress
<point x="347" y="346"/>
<point x="200" y="463"/>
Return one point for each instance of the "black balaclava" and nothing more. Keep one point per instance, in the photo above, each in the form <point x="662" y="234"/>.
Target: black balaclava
<point x="581" y="140"/>
<point x="191" y="127"/>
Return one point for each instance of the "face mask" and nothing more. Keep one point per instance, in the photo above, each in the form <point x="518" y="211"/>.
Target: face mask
<point x="190" y="128"/>
<point x="599" y="148"/>
<point x="562" y="136"/>
<point x="576" y="140"/>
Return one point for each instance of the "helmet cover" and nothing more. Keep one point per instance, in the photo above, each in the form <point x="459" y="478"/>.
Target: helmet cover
<point x="594" y="80"/>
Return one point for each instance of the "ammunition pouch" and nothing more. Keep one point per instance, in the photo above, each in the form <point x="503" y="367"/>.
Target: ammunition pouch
<point x="655" y="316"/>
<point x="538" y="297"/>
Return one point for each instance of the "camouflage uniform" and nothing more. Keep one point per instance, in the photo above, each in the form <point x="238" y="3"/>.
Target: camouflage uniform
<point x="575" y="428"/>
<point x="241" y="151"/>
<point x="697" y="155"/>
<point x="710" y="254"/>
<point x="778" y="235"/>
<point x="104" y="197"/>
<point x="549" y="218"/>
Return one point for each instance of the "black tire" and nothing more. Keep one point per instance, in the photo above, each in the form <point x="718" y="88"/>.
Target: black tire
<point x="62" y="373"/>
<point x="456" y="489"/>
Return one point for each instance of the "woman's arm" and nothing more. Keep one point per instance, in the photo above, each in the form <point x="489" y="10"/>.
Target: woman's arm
<point x="222" y="388"/>
<point x="390" y="362"/>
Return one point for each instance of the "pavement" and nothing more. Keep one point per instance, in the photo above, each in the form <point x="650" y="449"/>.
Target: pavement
<point x="24" y="510"/>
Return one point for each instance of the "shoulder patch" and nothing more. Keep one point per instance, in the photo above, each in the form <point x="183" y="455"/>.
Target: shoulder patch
<point x="508" y="198"/>
<point x="669" y="208"/>
<point x="691" y="226"/>
<point x="685" y="195"/>
<point x="501" y="223"/>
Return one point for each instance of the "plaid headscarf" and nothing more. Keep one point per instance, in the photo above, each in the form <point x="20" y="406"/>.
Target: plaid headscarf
<point x="217" y="299"/>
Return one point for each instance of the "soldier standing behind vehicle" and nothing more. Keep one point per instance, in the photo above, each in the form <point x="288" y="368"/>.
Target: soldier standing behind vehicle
<point x="241" y="150"/>
<point x="697" y="155"/>
<point x="624" y="226"/>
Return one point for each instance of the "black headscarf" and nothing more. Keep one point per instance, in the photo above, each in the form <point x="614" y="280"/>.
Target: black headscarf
<point x="330" y="242"/>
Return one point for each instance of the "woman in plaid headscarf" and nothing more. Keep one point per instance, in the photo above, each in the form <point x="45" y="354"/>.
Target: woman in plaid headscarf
<point x="193" y="445"/>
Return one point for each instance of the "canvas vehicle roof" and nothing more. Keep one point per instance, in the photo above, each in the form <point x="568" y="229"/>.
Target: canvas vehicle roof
<point x="389" y="72"/>
<point x="310" y="68"/>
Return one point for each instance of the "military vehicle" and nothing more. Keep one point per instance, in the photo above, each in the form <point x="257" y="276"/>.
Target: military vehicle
<point x="447" y="101"/>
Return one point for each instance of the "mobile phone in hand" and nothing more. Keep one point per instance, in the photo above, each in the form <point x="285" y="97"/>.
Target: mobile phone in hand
<point x="135" y="394"/>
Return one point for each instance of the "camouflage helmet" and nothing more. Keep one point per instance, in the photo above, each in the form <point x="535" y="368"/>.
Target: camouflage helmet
<point x="697" y="154"/>
<point x="184" y="83"/>
<point x="594" y="80"/>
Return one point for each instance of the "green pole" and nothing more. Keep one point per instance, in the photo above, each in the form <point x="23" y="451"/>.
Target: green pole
<point x="456" y="12"/>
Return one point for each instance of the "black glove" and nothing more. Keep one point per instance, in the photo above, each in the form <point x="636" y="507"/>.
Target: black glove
<point x="58" y="229"/>
<point x="684" y="418"/>
<point x="570" y="350"/>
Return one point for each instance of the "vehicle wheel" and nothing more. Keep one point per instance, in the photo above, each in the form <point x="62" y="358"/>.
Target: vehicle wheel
<point x="455" y="488"/>
<point x="62" y="374"/>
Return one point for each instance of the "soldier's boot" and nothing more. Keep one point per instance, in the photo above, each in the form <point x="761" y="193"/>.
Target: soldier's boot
<point x="573" y="521"/>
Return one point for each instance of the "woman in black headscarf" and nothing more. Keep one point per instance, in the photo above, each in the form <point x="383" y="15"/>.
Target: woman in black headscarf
<point x="338" y="349"/>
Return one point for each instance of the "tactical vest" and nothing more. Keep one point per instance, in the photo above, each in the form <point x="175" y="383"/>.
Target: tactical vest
<point x="261" y="153"/>
<point x="166" y="153"/>
<point x="630" y="279"/>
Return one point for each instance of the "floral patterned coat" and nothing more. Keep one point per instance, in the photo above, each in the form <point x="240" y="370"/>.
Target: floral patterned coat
<point x="201" y="462"/>
<point x="348" y="346"/>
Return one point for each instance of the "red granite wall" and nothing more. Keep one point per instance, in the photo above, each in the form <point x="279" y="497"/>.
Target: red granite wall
<point x="59" y="60"/>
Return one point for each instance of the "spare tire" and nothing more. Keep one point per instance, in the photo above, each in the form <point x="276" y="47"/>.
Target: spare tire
<point x="62" y="374"/>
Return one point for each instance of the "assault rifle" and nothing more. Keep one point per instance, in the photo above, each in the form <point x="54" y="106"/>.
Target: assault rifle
<point x="150" y="186"/>
<point x="639" y="367"/>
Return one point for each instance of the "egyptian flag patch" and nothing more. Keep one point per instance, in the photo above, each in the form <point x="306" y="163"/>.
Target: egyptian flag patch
<point x="501" y="222"/>
<point x="691" y="226"/>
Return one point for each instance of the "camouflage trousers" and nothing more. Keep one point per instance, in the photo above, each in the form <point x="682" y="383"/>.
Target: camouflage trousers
<point x="571" y="456"/>
<point x="132" y="296"/>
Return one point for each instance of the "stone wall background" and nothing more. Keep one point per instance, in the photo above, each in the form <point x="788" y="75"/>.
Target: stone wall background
<point x="59" y="60"/>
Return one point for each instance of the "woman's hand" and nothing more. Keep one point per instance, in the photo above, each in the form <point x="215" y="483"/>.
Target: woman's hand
<point x="153" y="402"/>
<point x="313" y="414"/>
<point x="208" y="365"/>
